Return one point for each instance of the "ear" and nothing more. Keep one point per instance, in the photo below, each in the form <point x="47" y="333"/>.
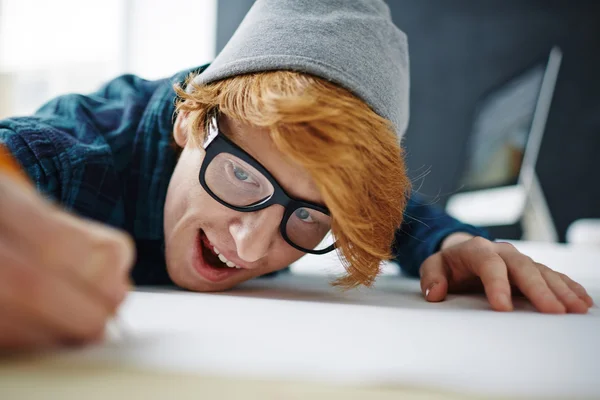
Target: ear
<point x="180" y="129"/>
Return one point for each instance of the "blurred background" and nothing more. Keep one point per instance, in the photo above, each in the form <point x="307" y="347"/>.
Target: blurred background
<point x="53" y="47"/>
<point x="468" y="57"/>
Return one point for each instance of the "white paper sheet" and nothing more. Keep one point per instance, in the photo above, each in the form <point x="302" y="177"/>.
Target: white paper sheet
<point x="299" y="328"/>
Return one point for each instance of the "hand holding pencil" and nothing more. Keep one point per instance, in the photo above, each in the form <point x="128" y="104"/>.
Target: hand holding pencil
<point x="61" y="277"/>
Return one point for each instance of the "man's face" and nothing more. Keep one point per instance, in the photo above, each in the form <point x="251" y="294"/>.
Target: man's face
<point x="197" y="227"/>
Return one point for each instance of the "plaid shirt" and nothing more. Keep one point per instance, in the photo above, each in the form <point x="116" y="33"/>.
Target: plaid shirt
<point x="109" y="156"/>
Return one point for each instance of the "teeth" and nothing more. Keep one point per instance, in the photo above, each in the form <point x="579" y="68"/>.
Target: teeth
<point x="224" y="260"/>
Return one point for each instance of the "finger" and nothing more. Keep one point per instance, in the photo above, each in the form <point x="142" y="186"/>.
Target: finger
<point x="562" y="291"/>
<point x="528" y="278"/>
<point x="492" y="271"/>
<point x="18" y="335"/>
<point x="434" y="278"/>
<point x="56" y="240"/>
<point x="478" y="258"/>
<point x="42" y="297"/>
<point x="99" y="257"/>
<point x="92" y="244"/>
<point x="578" y="289"/>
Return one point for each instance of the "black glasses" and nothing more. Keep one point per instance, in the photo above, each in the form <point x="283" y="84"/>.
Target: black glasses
<point x="238" y="181"/>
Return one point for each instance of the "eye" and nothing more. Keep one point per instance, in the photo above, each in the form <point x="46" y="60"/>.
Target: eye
<point x="304" y="215"/>
<point x="240" y="173"/>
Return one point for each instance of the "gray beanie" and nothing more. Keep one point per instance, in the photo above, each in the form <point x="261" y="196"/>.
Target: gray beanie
<point x="352" y="43"/>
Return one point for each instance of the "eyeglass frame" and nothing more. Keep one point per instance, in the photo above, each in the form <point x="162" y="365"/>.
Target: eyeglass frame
<point x="215" y="143"/>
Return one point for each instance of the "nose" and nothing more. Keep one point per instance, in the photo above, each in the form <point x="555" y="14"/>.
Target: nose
<point x="255" y="232"/>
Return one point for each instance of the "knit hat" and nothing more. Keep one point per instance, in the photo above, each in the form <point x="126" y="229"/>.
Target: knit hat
<point x="352" y="43"/>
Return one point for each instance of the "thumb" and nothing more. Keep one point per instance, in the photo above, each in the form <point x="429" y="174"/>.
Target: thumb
<point x="434" y="282"/>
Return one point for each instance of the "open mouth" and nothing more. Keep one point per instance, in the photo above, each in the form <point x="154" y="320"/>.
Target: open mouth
<point x="213" y="256"/>
<point x="209" y="263"/>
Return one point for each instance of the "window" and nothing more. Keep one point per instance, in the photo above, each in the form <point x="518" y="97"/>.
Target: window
<point x="48" y="48"/>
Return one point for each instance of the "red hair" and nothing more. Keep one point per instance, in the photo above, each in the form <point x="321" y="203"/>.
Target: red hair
<point x="351" y="152"/>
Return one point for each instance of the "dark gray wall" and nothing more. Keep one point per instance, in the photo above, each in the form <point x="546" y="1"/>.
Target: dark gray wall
<point x="460" y="49"/>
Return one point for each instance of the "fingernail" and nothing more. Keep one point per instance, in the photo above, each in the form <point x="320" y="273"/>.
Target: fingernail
<point x="504" y="301"/>
<point x="429" y="289"/>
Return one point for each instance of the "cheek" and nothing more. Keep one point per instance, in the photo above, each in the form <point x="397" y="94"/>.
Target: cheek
<point x="177" y="200"/>
<point x="188" y="206"/>
<point x="283" y="255"/>
<point x="183" y="186"/>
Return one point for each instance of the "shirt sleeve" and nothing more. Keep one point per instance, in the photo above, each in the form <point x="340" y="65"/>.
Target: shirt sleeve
<point x="37" y="155"/>
<point x="76" y="147"/>
<point x="423" y="229"/>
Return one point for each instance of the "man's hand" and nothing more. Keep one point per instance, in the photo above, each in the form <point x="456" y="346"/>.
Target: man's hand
<point x="61" y="277"/>
<point x="467" y="263"/>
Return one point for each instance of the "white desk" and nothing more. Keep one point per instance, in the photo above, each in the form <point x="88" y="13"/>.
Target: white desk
<point x="296" y="337"/>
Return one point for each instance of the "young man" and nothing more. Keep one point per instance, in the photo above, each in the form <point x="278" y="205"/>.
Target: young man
<point x="288" y="143"/>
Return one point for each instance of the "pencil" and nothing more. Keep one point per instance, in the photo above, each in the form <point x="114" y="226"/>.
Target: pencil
<point x="10" y="167"/>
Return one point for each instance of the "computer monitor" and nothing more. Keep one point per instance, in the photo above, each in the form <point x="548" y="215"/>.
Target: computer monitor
<point x="496" y="146"/>
<point x="499" y="185"/>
